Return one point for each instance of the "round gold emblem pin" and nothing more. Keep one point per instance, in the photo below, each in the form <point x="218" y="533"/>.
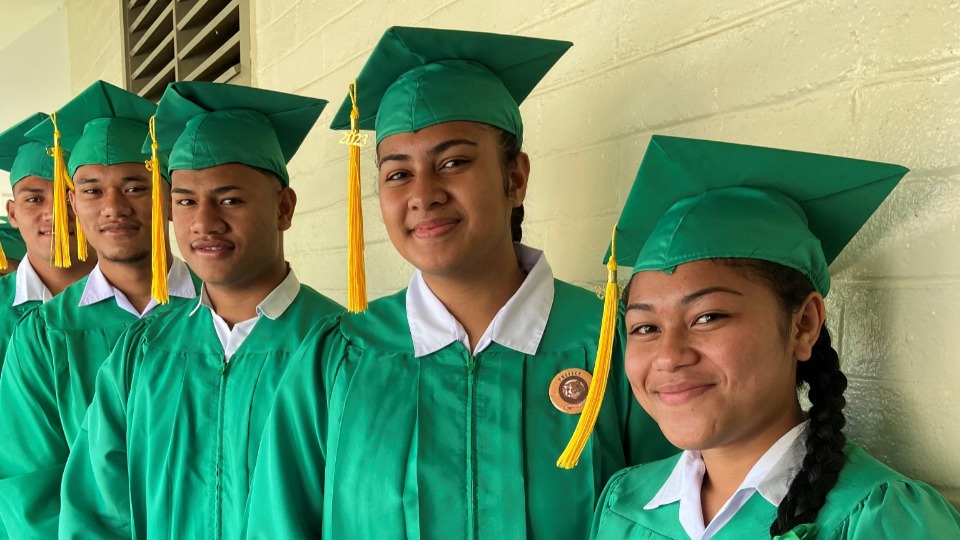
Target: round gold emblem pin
<point x="568" y="390"/>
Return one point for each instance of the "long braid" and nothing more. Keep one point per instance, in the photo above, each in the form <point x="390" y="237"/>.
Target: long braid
<point x="825" y="439"/>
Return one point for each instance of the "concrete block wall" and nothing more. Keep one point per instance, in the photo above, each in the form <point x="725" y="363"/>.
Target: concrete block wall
<point x="96" y="42"/>
<point x="875" y="79"/>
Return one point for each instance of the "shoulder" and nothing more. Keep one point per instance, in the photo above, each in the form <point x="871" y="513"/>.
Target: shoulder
<point x="873" y="500"/>
<point x="574" y="319"/>
<point x="629" y="490"/>
<point x="312" y="301"/>
<point x="383" y="325"/>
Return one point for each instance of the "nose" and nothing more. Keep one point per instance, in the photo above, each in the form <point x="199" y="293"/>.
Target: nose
<point x="115" y="204"/>
<point x="426" y="191"/>
<point x="675" y="350"/>
<point x="207" y="219"/>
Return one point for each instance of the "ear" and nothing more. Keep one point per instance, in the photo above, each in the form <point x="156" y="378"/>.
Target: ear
<point x="806" y="325"/>
<point x="12" y="214"/>
<point x="519" y="176"/>
<point x="286" y="204"/>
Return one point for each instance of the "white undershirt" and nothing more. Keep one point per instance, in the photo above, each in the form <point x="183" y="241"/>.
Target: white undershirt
<point x="519" y="325"/>
<point x="770" y="476"/>
<point x="98" y="289"/>
<point x="30" y="288"/>
<point x="272" y="307"/>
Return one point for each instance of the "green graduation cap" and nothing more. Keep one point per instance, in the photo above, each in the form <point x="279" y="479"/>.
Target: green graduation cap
<point x="696" y="199"/>
<point x="11" y="243"/>
<point x="103" y="125"/>
<point x="418" y="77"/>
<point x="22" y="156"/>
<point x="204" y="124"/>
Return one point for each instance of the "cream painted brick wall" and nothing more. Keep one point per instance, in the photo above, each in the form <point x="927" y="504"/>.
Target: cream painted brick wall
<point x="96" y="42"/>
<point x="877" y="79"/>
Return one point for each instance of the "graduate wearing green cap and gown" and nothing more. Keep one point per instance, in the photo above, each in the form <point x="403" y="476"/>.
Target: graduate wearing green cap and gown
<point x="56" y="349"/>
<point x="35" y="280"/>
<point x="737" y="239"/>
<point x="172" y="435"/>
<point x="430" y="414"/>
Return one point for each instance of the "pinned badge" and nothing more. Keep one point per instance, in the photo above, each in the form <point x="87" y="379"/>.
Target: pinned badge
<point x="568" y="390"/>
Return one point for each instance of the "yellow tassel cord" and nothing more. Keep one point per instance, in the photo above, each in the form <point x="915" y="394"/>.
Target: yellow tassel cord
<point x="3" y="260"/>
<point x="356" y="271"/>
<point x="61" y="183"/>
<point x="601" y="368"/>
<point x="158" y="285"/>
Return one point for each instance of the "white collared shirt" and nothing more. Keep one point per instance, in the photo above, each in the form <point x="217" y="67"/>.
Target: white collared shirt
<point x="272" y="307"/>
<point x="770" y="476"/>
<point x="519" y="325"/>
<point x="98" y="289"/>
<point x="30" y="287"/>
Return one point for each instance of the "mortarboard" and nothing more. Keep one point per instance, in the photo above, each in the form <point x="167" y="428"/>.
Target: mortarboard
<point x="22" y="156"/>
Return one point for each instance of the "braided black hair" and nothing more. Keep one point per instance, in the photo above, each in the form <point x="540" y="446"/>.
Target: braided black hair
<point x="509" y="146"/>
<point x="826" y="383"/>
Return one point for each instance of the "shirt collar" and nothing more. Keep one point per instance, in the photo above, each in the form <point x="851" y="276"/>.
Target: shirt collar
<point x="273" y="306"/>
<point x="98" y="288"/>
<point x="30" y="288"/>
<point x="519" y="325"/>
<point x="771" y="476"/>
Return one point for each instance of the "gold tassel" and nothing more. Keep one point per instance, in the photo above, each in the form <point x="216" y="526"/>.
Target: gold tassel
<point x="601" y="368"/>
<point x="61" y="183"/>
<point x="158" y="285"/>
<point x="356" y="271"/>
<point x="3" y="259"/>
<point x="81" y="240"/>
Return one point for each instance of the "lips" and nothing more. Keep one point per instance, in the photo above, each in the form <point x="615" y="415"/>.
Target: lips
<point x="433" y="228"/>
<point x="119" y="228"/>
<point x="212" y="248"/>
<point x="682" y="392"/>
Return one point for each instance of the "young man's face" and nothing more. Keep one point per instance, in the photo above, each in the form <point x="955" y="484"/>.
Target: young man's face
<point x="229" y="221"/>
<point x="31" y="211"/>
<point x="113" y="204"/>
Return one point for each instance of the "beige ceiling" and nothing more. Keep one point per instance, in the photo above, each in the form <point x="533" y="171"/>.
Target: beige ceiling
<point x="19" y="16"/>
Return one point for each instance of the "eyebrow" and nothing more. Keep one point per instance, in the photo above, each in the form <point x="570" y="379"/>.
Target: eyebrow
<point x="216" y="191"/>
<point x="29" y="190"/>
<point x="439" y="148"/>
<point x="95" y="179"/>
<point x="688" y="299"/>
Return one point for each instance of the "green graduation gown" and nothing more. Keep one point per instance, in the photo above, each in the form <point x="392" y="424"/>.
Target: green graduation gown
<point x="47" y="384"/>
<point x="870" y="501"/>
<point x="9" y="313"/>
<point x="171" y="438"/>
<point x="367" y="441"/>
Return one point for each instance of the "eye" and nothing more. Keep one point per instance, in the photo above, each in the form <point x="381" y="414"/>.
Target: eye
<point x="184" y="202"/>
<point x="91" y="191"/>
<point x="396" y="175"/>
<point x="708" y="318"/>
<point x="135" y="189"/>
<point x="454" y="163"/>
<point x="34" y="200"/>
<point x="643" y="329"/>
<point x="233" y="201"/>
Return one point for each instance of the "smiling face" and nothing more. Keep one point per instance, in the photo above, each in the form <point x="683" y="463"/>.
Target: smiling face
<point x="712" y="356"/>
<point x="113" y="204"/>
<point x="445" y="200"/>
<point x="229" y="221"/>
<point x="31" y="211"/>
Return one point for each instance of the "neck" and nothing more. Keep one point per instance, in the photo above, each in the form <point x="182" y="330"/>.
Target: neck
<point x="727" y="466"/>
<point x="474" y="298"/>
<point x="236" y="304"/>
<point x="57" y="279"/>
<point x="132" y="279"/>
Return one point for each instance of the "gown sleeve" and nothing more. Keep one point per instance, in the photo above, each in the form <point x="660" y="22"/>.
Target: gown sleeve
<point x="286" y="493"/>
<point x="95" y="492"/>
<point x="901" y="509"/>
<point x="33" y="447"/>
<point x="597" y="529"/>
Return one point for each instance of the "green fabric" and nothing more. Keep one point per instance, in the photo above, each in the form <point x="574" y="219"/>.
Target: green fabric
<point x="870" y="501"/>
<point x="695" y="199"/>
<point x="22" y="156"/>
<point x="418" y="77"/>
<point x="171" y="438"/>
<point x="47" y="384"/>
<point x="11" y="240"/>
<point x="203" y="124"/>
<point x="367" y="441"/>
<point x="9" y="313"/>
<point x="103" y="125"/>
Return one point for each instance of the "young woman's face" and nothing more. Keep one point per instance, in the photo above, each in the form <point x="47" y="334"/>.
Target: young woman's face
<point x="707" y="356"/>
<point x="445" y="202"/>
